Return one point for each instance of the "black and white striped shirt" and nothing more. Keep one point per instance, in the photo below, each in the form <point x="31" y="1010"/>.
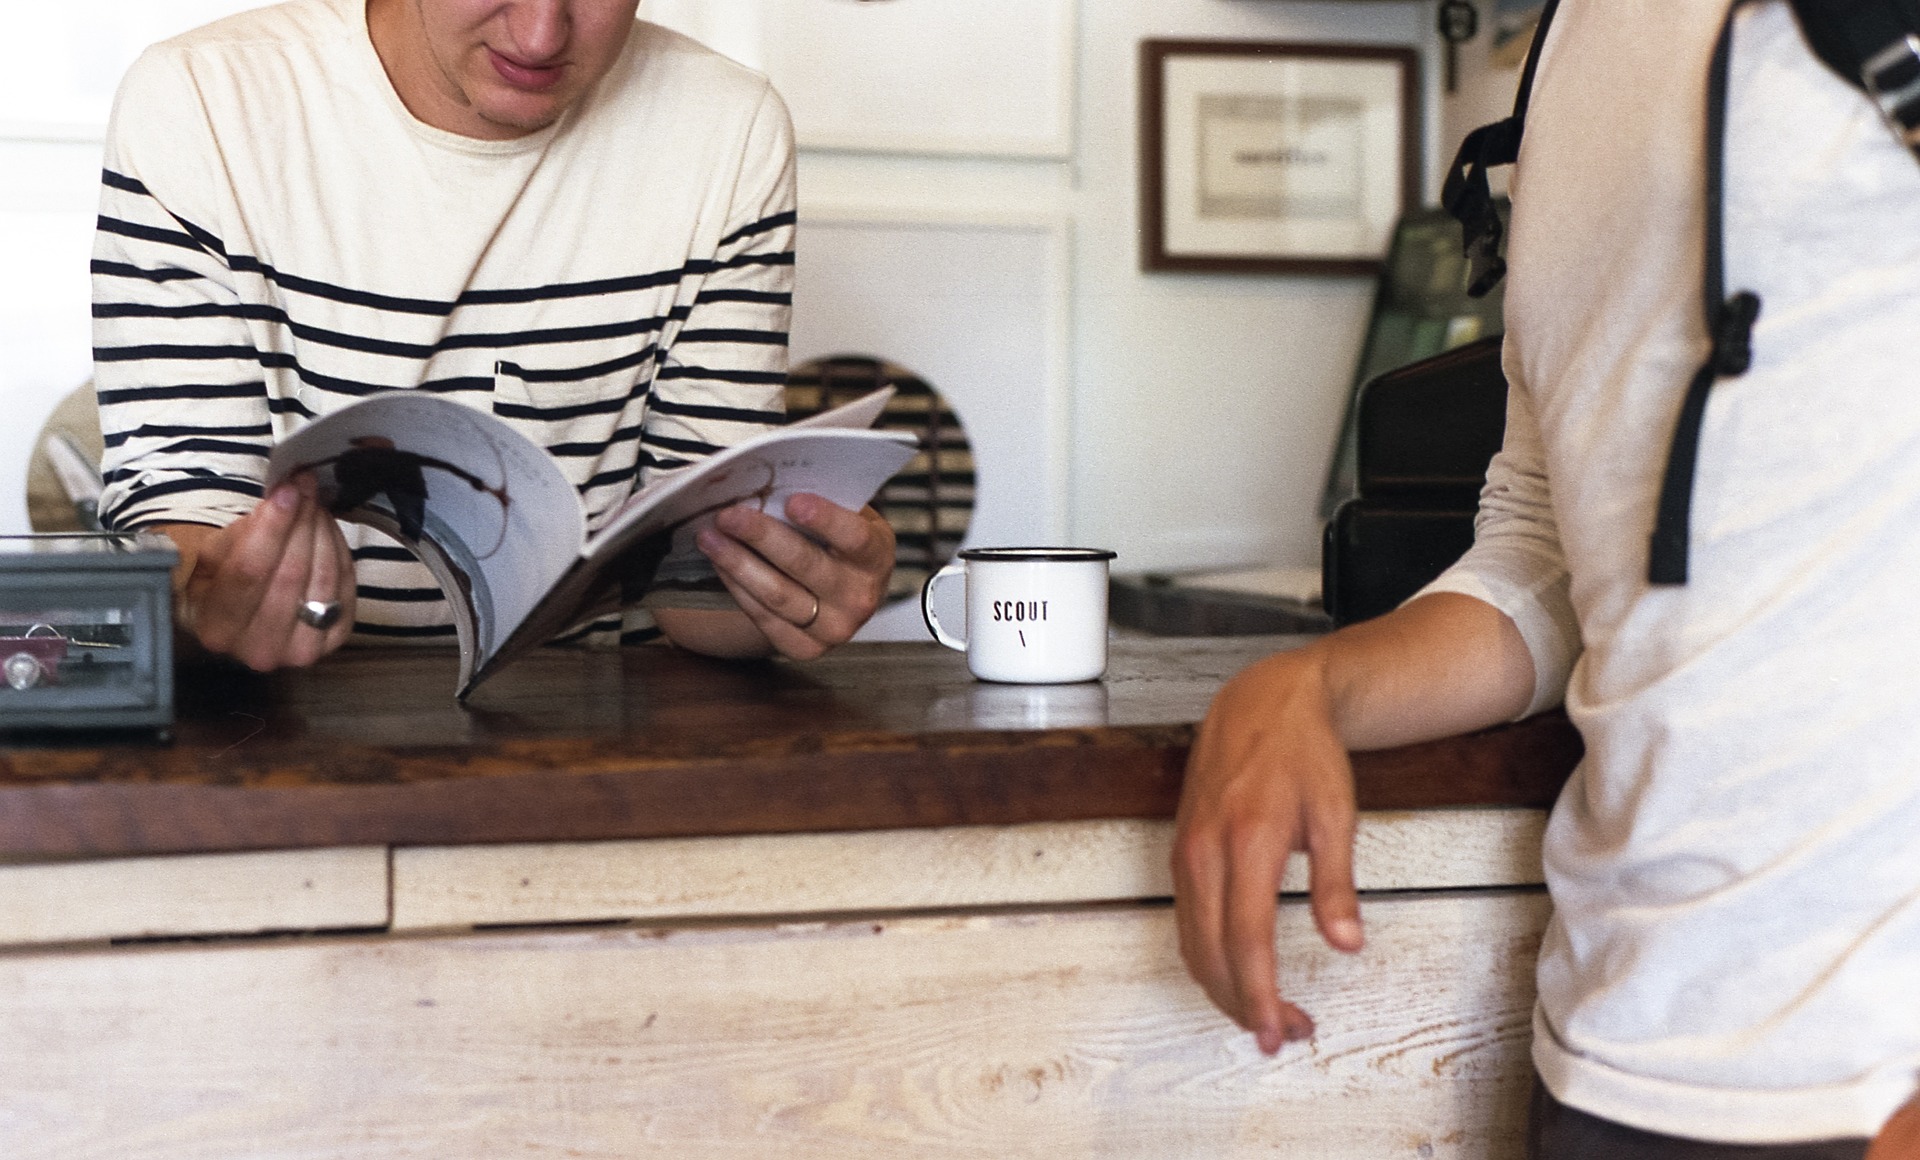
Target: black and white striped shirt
<point x="279" y="236"/>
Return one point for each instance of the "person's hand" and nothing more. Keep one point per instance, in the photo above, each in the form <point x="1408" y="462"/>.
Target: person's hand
<point x="1900" y="1138"/>
<point x="1268" y="775"/>
<point x="241" y="587"/>
<point x="805" y="595"/>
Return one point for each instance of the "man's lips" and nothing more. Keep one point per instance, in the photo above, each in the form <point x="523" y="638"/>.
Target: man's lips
<point x="532" y="78"/>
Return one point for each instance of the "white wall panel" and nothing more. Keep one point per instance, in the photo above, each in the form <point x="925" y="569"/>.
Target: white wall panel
<point x="909" y="76"/>
<point x="54" y="102"/>
<point x="1205" y="406"/>
<point x="48" y="192"/>
<point x="63" y="89"/>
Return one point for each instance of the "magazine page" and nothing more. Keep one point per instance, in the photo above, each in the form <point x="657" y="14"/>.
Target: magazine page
<point x="860" y="413"/>
<point x="484" y="507"/>
<point x="650" y="548"/>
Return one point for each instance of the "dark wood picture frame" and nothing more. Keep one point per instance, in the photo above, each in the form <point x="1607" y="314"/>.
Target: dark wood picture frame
<point x="1155" y="254"/>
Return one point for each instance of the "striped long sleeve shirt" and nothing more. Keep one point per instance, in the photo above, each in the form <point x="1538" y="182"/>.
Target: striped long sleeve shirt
<point x="279" y="236"/>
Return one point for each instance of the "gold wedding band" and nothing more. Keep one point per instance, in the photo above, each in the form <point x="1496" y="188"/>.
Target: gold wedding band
<point x="320" y="614"/>
<point x="811" y="616"/>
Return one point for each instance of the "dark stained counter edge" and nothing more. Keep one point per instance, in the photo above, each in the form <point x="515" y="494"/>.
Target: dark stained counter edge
<point x="991" y="779"/>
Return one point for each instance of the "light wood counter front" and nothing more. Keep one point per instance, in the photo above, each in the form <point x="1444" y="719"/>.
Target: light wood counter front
<point x="639" y="904"/>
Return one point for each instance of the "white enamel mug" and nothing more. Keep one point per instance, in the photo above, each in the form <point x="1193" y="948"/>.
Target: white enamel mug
<point x="1035" y="616"/>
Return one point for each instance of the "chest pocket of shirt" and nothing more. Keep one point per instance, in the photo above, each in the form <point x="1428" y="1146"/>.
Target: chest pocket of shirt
<point x="571" y="403"/>
<point x="587" y="418"/>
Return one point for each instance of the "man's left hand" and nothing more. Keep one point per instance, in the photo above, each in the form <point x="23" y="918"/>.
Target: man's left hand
<point x="805" y="593"/>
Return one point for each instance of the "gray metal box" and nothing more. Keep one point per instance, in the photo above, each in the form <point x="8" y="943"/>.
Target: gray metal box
<point x="86" y="632"/>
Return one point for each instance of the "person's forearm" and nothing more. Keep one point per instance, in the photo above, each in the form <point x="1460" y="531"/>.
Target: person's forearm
<point x="1268" y="774"/>
<point x="1441" y="665"/>
<point x="724" y="633"/>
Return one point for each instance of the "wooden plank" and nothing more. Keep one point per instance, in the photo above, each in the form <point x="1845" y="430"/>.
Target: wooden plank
<point x="1035" y="1035"/>
<point x="574" y="745"/>
<point x="793" y="874"/>
<point x="193" y="894"/>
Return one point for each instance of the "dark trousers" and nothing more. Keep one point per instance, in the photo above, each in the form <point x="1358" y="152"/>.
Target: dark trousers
<point x="1558" y="1132"/>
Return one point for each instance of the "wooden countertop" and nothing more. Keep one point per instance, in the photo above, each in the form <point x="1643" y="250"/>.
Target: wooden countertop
<point x="370" y="748"/>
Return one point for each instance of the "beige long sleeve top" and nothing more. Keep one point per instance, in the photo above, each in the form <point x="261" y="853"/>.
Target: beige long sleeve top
<point x="1735" y="866"/>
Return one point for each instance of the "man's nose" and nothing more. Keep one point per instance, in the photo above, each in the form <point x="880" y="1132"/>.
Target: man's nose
<point x="540" y="29"/>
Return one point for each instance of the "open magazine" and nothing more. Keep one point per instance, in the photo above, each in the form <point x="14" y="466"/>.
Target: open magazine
<point x="501" y="529"/>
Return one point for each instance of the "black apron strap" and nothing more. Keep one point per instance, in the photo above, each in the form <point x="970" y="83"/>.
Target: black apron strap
<point x="1466" y="194"/>
<point x="1729" y="326"/>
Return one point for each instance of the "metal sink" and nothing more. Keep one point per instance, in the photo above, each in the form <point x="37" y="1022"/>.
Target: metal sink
<point x="1169" y="605"/>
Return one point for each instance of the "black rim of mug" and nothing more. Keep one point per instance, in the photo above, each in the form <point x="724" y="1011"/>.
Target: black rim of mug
<point x="1024" y="555"/>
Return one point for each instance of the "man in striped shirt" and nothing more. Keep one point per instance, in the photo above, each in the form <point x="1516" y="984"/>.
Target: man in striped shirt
<point x="543" y="208"/>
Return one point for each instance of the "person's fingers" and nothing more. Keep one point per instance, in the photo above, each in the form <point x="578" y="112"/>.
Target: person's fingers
<point x="1255" y="862"/>
<point x="343" y="587"/>
<point x="1200" y="875"/>
<point x="274" y="636"/>
<point x="856" y="535"/>
<point x="755" y="563"/>
<point x="1267" y="775"/>
<point x="778" y="543"/>
<point x="307" y="644"/>
<point x="233" y="571"/>
<point x="843" y="557"/>
<point x="783" y="634"/>
<point x="1199" y="888"/>
<point x="1336" y="905"/>
<point x="812" y="551"/>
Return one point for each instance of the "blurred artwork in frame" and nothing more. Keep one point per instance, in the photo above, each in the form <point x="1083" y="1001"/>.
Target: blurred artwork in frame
<point x="1268" y="157"/>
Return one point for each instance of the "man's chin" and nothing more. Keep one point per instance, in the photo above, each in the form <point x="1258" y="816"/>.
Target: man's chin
<point x="520" y="114"/>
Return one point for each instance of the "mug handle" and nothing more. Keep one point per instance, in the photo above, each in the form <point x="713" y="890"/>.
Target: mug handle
<point x="926" y="606"/>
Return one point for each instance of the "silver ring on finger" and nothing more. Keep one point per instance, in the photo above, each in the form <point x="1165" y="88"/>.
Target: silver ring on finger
<point x="812" y="615"/>
<point x="319" y="614"/>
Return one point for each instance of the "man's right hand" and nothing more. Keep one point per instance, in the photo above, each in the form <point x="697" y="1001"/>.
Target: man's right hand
<point x="239" y="589"/>
<point x="1269" y="775"/>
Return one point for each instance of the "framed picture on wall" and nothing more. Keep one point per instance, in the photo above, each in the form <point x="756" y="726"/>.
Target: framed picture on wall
<point x="1265" y="157"/>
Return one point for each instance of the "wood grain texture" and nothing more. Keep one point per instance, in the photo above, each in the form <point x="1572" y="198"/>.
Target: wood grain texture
<point x="1035" y="1035"/>
<point x="369" y="748"/>
<point x="194" y="894"/>
<point x="894" y="870"/>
